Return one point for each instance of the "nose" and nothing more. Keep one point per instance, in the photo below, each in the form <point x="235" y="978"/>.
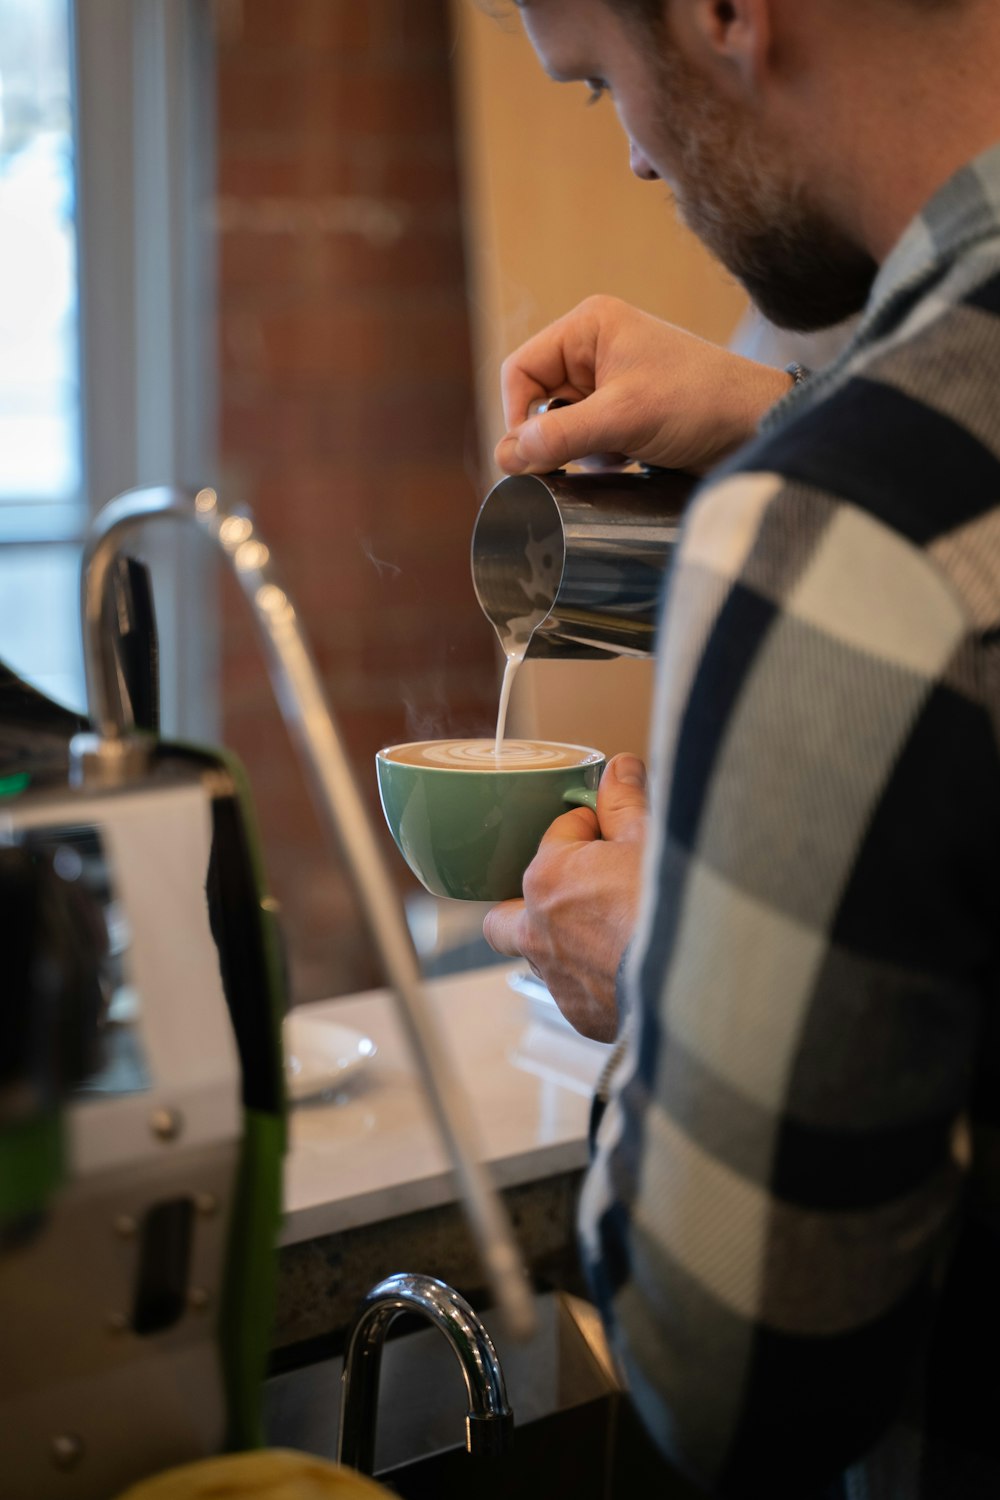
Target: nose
<point x="641" y="164"/>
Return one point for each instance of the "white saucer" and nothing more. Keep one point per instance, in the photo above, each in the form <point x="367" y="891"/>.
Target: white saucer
<point x="320" y="1055"/>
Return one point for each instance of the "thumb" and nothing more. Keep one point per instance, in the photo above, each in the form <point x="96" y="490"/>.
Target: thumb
<point x="621" y="800"/>
<point x="556" y="437"/>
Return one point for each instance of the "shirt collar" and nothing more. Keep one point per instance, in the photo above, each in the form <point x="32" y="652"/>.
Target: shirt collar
<point x="964" y="211"/>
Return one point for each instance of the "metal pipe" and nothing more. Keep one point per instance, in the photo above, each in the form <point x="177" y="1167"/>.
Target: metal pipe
<point x="489" y="1421"/>
<point x="310" y="720"/>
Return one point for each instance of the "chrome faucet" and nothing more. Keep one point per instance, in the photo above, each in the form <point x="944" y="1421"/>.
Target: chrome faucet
<point x="489" y="1422"/>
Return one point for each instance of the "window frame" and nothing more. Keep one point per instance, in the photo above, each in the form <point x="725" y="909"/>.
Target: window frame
<point x="143" y="121"/>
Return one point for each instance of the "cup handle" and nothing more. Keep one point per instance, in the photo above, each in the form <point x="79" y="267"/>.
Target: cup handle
<point x="582" y="796"/>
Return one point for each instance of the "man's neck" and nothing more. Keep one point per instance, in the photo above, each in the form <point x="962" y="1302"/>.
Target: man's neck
<point x="893" y="133"/>
<point x="914" y="164"/>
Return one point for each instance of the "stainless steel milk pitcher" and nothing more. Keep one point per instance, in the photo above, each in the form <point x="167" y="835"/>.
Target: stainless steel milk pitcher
<point x="577" y="559"/>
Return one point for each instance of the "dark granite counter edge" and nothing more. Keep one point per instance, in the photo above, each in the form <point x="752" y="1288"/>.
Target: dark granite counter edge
<point x="322" y="1281"/>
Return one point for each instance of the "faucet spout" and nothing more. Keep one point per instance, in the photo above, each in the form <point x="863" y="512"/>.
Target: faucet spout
<point x="489" y="1422"/>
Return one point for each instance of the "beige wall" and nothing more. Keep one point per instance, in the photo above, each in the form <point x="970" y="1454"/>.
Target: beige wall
<point x="553" y="215"/>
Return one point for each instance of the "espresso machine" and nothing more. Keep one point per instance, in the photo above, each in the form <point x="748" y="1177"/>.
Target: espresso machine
<point x="141" y="1098"/>
<point x="142" y="1103"/>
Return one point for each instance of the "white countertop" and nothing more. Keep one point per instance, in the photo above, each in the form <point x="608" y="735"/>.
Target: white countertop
<point x="371" y="1152"/>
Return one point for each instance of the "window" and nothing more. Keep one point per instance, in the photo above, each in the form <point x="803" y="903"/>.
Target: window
<point x="40" y="468"/>
<point x="106" y="338"/>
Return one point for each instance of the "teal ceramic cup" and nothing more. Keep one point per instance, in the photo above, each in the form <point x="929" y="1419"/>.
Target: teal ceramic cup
<point x="469" y="831"/>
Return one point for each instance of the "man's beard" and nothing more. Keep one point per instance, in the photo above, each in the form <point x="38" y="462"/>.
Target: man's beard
<point x="798" y="268"/>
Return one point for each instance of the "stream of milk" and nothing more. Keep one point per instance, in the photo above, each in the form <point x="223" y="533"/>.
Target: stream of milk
<point x="540" y="585"/>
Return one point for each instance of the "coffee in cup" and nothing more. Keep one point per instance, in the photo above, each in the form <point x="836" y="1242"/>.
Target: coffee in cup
<point x="481" y="755"/>
<point x="468" y="820"/>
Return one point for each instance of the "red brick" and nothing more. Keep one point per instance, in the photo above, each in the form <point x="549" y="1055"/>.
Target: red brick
<point x="337" y="27"/>
<point x="415" y="498"/>
<point x="328" y="168"/>
<point x="346" y="414"/>
<point x="260" y="98"/>
<point x="423" y="25"/>
<point x="271" y="97"/>
<point x="311" y="503"/>
<point x="255" y="261"/>
<point x="383" y="100"/>
<point x="416" y="420"/>
<point x="258" y="174"/>
<point x="352" y="338"/>
<point x="413" y="419"/>
<point x="357" y="341"/>
<point x="424" y="173"/>
<point x="412" y="642"/>
<point x="251" y="431"/>
<point x="434" y="337"/>
<point x="350" y="263"/>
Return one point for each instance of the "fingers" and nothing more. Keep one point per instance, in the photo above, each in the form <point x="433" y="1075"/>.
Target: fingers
<point x="621" y="800"/>
<point x="578" y="826"/>
<point x="535" y="372"/>
<point x="557" y="361"/>
<point x="620" y="817"/>
<point x="507" y="927"/>
<point x="553" y="438"/>
<point x="524" y="386"/>
<point x="502" y="928"/>
<point x="621" y="809"/>
<point x="512" y="455"/>
<point x="588" y="358"/>
<point x="641" y="387"/>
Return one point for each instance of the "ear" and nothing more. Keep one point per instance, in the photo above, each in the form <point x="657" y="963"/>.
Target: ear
<point x="738" y="35"/>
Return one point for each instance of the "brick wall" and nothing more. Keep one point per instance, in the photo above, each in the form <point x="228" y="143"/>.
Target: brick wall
<point x="347" y="414"/>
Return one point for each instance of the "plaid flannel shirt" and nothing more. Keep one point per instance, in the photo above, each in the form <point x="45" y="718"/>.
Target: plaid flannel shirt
<point x="792" y="1219"/>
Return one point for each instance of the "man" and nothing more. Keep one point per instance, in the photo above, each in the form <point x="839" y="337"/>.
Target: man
<point x="791" y="1222"/>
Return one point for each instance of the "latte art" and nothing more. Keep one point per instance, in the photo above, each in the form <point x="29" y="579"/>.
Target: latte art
<point x="481" y="755"/>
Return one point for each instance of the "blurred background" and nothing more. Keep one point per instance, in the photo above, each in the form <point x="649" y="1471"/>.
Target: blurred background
<point x="282" y="246"/>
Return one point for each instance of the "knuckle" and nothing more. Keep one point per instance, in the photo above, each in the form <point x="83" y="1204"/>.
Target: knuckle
<point x="538" y="881"/>
<point x="532" y="884"/>
<point x="597" y="302"/>
<point x="605" y="306"/>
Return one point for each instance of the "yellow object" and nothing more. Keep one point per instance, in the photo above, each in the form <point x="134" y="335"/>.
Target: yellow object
<point x="274" y="1474"/>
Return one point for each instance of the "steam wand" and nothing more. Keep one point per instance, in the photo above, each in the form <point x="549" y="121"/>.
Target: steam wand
<point x="114" y="753"/>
